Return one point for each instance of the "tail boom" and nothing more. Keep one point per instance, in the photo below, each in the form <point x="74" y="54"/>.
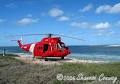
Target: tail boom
<point x="25" y="47"/>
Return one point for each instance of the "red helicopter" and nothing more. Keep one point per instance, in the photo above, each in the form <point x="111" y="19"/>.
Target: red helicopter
<point x="47" y="47"/>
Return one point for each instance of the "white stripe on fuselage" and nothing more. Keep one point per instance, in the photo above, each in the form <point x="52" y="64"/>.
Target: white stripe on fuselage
<point x="32" y="48"/>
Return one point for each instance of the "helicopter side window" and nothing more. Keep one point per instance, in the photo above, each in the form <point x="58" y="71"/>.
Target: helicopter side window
<point x="45" y="47"/>
<point x="39" y="48"/>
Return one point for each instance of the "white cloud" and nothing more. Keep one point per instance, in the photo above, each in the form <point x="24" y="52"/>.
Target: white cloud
<point x="86" y="8"/>
<point x="11" y="5"/>
<point x="104" y="8"/>
<point x="118" y="23"/>
<point x="80" y="24"/>
<point x="115" y="8"/>
<point x="105" y="33"/>
<point x="2" y="20"/>
<point x="26" y="21"/>
<point x="109" y="9"/>
<point x="58" y="14"/>
<point x="63" y="18"/>
<point x="29" y="15"/>
<point x="55" y="12"/>
<point x="101" y="25"/>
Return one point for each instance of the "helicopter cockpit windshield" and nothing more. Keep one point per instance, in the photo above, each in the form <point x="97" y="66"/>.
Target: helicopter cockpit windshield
<point x="61" y="45"/>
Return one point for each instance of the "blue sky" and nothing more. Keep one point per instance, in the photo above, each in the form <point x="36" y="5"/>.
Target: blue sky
<point x="95" y="21"/>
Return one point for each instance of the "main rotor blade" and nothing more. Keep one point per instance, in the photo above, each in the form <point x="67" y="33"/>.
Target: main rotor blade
<point x="49" y="35"/>
<point x="69" y="37"/>
<point x="25" y="35"/>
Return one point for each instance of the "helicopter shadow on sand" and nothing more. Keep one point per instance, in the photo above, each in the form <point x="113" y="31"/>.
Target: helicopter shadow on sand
<point x="55" y="59"/>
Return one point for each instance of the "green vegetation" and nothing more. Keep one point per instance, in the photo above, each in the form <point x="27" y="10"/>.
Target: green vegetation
<point x="9" y="59"/>
<point x="13" y="71"/>
<point x="73" y="69"/>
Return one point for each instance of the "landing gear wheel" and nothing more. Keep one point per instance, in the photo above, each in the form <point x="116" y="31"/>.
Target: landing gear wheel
<point x="34" y="58"/>
<point x="62" y="58"/>
<point x="46" y="59"/>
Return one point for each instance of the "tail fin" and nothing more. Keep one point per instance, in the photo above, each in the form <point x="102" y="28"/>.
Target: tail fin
<point x="19" y="43"/>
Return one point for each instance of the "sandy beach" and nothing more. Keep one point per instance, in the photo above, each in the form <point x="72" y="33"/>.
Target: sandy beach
<point x="27" y="58"/>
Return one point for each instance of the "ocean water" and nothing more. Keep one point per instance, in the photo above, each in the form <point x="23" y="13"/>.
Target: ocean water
<point x="11" y="49"/>
<point x="98" y="52"/>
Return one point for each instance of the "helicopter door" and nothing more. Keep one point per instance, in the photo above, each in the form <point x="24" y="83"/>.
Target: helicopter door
<point x="45" y="47"/>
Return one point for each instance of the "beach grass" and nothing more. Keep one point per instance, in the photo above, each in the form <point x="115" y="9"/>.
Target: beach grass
<point x="88" y="69"/>
<point x="14" y="71"/>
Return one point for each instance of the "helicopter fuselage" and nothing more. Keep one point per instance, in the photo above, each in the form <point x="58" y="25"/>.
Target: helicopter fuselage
<point x="47" y="47"/>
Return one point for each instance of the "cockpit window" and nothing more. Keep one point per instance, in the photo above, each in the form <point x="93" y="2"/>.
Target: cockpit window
<point x="60" y="45"/>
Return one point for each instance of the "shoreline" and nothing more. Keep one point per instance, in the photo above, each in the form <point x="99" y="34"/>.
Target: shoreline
<point x="78" y="56"/>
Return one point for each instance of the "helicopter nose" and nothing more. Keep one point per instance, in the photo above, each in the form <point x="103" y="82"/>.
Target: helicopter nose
<point x="67" y="51"/>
